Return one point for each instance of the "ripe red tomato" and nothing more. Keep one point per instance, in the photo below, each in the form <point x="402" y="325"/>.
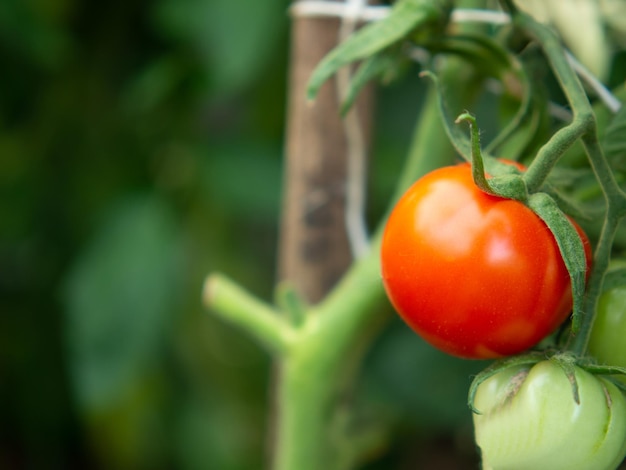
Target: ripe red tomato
<point x="475" y="275"/>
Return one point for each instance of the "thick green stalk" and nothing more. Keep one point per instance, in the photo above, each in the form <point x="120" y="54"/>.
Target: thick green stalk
<point x="318" y="371"/>
<point x="320" y="349"/>
<point x="313" y="371"/>
<point x="320" y="355"/>
<point x="321" y="368"/>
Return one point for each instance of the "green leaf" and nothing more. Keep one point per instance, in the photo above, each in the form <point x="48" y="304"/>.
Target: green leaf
<point x="244" y="178"/>
<point x="515" y="140"/>
<point x="570" y="246"/>
<point x="491" y="59"/>
<point x="480" y="50"/>
<point x="405" y="17"/>
<point x="378" y="65"/>
<point x="530" y="125"/>
<point x="232" y="38"/>
<point x="457" y="137"/>
<point x="119" y="296"/>
<point x="34" y="31"/>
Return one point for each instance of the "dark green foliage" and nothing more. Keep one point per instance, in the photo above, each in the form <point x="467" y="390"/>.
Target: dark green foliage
<point x="141" y="148"/>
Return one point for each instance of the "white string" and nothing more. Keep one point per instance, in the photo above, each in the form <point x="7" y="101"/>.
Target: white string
<point x="466" y="15"/>
<point x="356" y="227"/>
<point x="605" y="95"/>
<point x="322" y="8"/>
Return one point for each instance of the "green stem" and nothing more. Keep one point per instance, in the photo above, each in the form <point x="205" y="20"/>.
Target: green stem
<point x="548" y="154"/>
<point x="320" y="351"/>
<point x="616" y="210"/>
<point x="239" y="307"/>
<point x="584" y="120"/>
<point x="578" y="342"/>
<point x="313" y="375"/>
<point x="320" y="355"/>
<point x="478" y="166"/>
<point x="339" y="329"/>
<point x="336" y="333"/>
<point x="584" y="126"/>
<point x="613" y="194"/>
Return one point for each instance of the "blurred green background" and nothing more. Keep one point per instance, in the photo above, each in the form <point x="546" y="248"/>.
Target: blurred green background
<point x="141" y="147"/>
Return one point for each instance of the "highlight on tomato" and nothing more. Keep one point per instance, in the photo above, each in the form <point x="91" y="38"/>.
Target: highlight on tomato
<point x="530" y="418"/>
<point x="475" y="275"/>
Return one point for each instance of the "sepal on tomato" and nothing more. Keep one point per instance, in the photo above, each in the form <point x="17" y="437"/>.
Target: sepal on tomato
<point x="520" y="361"/>
<point x="611" y="372"/>
<point x="570" y="244"/>
<point x="532" y="419"/>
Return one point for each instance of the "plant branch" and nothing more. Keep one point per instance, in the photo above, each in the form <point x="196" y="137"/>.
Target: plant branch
<point x="237" y="306"/>
<point x="578" y="342"/>
<point x="583" y="126"/>
<point x="616" y="211"/>
<point x="356" y="226"/>
<point x="548" y="154"/>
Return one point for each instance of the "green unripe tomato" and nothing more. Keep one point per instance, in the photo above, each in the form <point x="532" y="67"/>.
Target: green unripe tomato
<point x="606" y="342"/>
<point x="530" y="420"/>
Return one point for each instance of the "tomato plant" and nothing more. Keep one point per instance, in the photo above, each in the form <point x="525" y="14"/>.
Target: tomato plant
<point x="532" y="418"/>
<point x="480" y="267"/>
<point x="475" y="275"/>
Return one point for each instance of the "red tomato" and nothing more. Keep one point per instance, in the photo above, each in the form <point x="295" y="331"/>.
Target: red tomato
<point x="475" y="275"/>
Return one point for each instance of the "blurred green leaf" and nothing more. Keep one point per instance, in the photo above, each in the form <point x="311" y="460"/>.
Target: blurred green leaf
<point x="233" y="38"/>
<point x="119" y="297"/>
<point x="218" y="436"/>
<point x="153" y="84"/>
<point x="245" y="178"/>
<point x="34" y="30"/>
<point x="405" y="17"/>
<point x="384" y="65"/>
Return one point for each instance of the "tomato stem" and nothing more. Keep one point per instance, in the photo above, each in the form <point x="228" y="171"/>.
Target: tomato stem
<point x="239" y="307"/>
<point x="319" y="347"/>
<point x="478" y="166"/>
<point x="584" y="127"/>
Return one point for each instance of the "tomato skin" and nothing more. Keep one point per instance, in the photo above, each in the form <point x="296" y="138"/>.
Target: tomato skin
<point x="529" y="419"/>
<point x="606" y="342"/>
<point x="475" y="275"/>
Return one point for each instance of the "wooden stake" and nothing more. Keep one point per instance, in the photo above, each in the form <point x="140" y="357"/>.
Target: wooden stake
<point x="314" y="251"/>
